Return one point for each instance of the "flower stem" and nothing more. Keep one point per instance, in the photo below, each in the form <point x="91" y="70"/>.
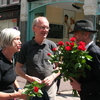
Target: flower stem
<point x="75" y="93"/>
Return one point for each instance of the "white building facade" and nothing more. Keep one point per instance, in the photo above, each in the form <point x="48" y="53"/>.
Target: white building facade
<point x="22" y="12"/>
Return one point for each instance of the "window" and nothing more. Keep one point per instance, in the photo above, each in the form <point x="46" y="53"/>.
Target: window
<point x="15" y="0"/>
<point x="56" y="31"/>
<point x="3" y="2"/>
<point x="8" y="1"/>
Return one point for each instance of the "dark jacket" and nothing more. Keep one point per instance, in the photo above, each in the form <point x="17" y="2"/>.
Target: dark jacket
<point x="90" y="85"/>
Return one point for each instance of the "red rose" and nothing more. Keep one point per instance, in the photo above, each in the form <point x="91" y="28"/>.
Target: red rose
<point x="80" y="47"/>
<point x="68" y="48"/>
<point x="49" y="54"/>
<point x="61" y="43"/>
<point x="72" y="44"/>
<point x="54" y="49"/>
<point x="73" y="39"/>
<point x="82" y="43"/>
<point x="35" y="89"/>
<point x="67" y="43"/>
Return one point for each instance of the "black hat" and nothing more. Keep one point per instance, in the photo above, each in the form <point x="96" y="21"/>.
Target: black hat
<point x="83" y="25"/>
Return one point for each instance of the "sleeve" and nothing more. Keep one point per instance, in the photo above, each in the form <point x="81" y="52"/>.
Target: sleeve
<point x="53" y="45"/>
<point x="21" y="58"/>
<point x="93" y="85"/>
<point x="0" y="72"/>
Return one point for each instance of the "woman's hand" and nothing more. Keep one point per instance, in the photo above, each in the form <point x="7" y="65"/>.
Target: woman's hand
<point x="21" y="95"/>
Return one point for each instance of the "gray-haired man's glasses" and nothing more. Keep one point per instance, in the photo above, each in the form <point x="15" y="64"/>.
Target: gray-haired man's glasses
<point x="42" y="27"/>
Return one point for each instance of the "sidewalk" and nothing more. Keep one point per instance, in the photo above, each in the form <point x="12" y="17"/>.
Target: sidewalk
<point x="66" y="93"/>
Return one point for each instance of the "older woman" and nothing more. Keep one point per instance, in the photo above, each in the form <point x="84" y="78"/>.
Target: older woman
<point x="10" y="43"/>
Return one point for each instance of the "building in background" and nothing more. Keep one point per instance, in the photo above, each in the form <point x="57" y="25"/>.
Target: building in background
<point x="9" y="13"/>
<point x="54" y="10"/>
<point x="20" y="14"/>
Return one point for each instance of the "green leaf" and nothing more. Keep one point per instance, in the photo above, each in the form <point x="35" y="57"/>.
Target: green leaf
<point x="26" y="92"/>
<point x="29" y="89"/>
<point x="78" y="65"/>
<point x="27" y="86"/>
<point x="88" y="57"/>
<point x="83" y="61"/>
<point x="56" y="71"/>
<point x="40" y="91"/>
<point x="33" y="95"/>
<point x="39" y="95"/>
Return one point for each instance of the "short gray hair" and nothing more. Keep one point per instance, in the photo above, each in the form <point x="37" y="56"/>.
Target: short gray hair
<point x="7" y="35"/>
<point x="36" y="20"/>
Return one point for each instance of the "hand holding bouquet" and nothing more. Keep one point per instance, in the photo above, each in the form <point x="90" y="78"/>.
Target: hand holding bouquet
<point x="71" y="58"/>
<point x="33" y="89"/>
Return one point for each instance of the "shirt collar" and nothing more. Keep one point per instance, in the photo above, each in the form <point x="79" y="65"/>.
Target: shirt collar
<point x="89" y="44"/>
<point x="34" y="42"/>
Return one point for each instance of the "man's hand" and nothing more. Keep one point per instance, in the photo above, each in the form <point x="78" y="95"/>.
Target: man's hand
<point x="48" y="80"/>
<point x="37" y="80"/>
<point x="75" y="85"/>
<point x="32" y="79"/>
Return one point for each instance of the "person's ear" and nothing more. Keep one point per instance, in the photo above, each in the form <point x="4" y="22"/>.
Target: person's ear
<point x="33" y="28"/>
<point x="86" y="34"/>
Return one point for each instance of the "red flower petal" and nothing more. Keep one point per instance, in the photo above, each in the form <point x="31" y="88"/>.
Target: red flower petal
<point x="72" y="44"/>
<point x="49" y="54"/>
<point x="73" y="39"/>
<point x="68" y="48"/>
<point x="61" y="43"/>
<point x="35" y="89"/>
<point x="82" y="43"/>
<point x="67" y="43"/>
<point x="54" y="49"/>
<point x="80" y="47"/>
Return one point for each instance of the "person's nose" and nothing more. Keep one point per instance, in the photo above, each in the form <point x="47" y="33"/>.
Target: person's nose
<point x="20" y="42"/>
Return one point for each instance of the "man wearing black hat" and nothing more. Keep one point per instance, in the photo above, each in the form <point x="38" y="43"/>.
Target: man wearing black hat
<point x="88" y="87"/>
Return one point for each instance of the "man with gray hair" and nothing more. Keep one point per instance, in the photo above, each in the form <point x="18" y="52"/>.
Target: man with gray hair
<point x="34" y="54"/>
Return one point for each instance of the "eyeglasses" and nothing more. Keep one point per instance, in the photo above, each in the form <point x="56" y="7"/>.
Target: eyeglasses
<point x="42" y="27"/>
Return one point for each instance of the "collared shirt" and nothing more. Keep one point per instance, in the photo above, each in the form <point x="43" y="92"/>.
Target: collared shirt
<point x="36" y="59"/>
<point x="89" y="44"/>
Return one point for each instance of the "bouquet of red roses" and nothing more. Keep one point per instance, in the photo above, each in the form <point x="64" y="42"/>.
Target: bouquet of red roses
<point x="71" y="59"/>
<point x="33" y="89"/>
